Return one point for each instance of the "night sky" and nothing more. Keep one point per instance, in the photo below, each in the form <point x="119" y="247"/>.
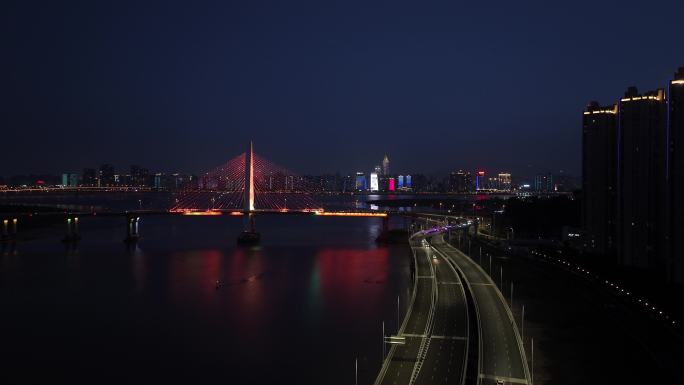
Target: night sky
<point x="320" y="86"/>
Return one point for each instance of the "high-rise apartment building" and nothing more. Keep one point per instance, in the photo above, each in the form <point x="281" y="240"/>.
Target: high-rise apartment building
<point x="674" y="168"/>
<point x="599" y="140"/>
<point x="641" y="192"/>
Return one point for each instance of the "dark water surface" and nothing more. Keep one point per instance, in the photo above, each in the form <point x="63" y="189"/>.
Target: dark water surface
<point x="299" y="309"/>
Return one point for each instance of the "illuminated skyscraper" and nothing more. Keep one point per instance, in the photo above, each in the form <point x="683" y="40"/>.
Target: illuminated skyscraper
<point x="361" y="184"/>
<point x="408" y="181"/>
<point x="504" y="181"/>
<point x="400" y="182"/>
<point x="480" y="180"/>
<point x="374" y="182"/>
<point x="599" y="173"/>
<point x="385" y="166"/>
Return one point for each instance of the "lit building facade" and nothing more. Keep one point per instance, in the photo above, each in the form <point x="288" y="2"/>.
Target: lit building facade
<point x="480" y="180"/>
<point x="361" y="184"/>
<point x="504" y="181"/>
<point x="374" y="182"/>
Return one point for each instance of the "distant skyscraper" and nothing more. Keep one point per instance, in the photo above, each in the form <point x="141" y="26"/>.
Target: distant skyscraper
<point x="641" y="179"/>
<point x="385" y="166"/>
<point x="69" y="180"/>
<point x="139" y="176"/>
<point x="106" y="175"/>
<point x="675" y="177"/>
<point x="400" y="182"/>
<point x="458" y="181"/>
<point x="391" y="184"/>
<point x="480" y="180"/>
<point x="599" y="175"/>
<point x="374" y="182"/>
<point x="361" y="184"/>
<point x="504" y="181"/>
<point x="378" y="170"/>
<point x="408" y="181"/>
<point x="89" y="177"/>
<point x="543" y="183"/>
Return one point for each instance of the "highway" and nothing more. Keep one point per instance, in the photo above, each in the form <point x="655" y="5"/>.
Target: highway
<point x="502" y="356"/>
<point x="435" y="328"/>
<point x="445" y="359"/>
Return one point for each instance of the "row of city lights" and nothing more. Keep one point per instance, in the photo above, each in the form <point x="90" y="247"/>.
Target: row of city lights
<point x="313" y="211"/>
<point x="620" y="290"/>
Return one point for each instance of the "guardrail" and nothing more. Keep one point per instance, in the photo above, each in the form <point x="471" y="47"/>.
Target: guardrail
<point x="425" y="342"/>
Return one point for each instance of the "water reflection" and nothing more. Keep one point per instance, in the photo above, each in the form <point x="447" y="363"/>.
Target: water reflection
<point x="157" y="299"/>
<point x="138" y="265"/>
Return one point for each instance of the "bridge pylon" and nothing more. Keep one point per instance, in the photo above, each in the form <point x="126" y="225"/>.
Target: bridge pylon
<point x="249" y="236"/>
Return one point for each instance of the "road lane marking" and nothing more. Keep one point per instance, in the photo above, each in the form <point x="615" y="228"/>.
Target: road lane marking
<point x="506" y="379"/>
<point x="450" y="338"/>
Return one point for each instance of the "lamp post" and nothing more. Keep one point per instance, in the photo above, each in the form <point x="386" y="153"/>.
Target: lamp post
<point x="511" y="295"/>
<point x="356" y="371"/>
<point x="398" y="324"/>
<point x="383" y="342"/>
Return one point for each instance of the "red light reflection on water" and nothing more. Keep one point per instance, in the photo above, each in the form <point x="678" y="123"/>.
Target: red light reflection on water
<point x="194" y="271"/>
<point x="352" y="277"/>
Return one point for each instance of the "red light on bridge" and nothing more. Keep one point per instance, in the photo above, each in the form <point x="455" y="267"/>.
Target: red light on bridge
<point x="198" y="213"/>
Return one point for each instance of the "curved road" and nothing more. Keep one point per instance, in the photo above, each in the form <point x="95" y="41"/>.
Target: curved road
<point x="502" y="355"/>
<point x="436" y="328"/>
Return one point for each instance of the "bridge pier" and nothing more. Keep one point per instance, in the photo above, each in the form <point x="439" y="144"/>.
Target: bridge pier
<point x="249" y="236"/>
<point x="132" y="229"/>
<point x="72" y="231"/>
<point x="5" y="236"/>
